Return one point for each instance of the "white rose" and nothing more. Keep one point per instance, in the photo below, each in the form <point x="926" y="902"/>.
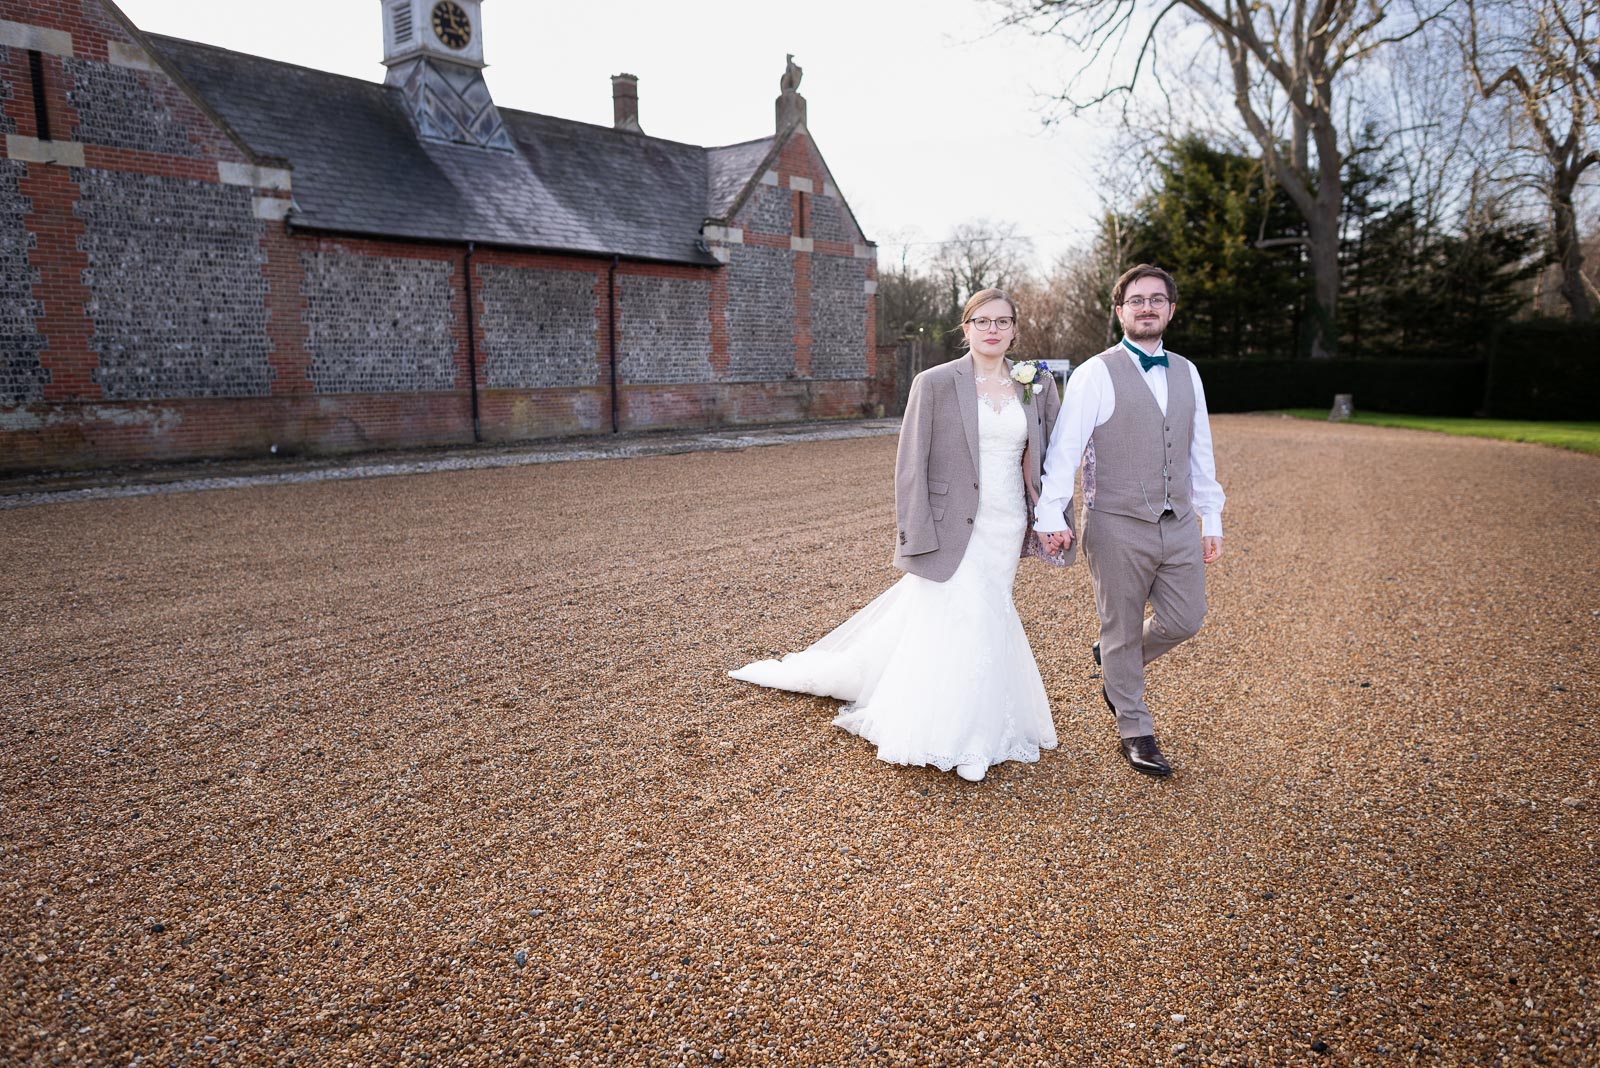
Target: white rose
<point x="1025" y="373"/>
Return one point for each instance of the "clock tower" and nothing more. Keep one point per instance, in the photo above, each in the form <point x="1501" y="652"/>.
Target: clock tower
<point x="434" y="52"/>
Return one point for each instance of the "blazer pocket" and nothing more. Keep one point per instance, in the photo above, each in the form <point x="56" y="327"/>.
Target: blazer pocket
<point x="938" y="487"/>
<point x="938" y="513"/>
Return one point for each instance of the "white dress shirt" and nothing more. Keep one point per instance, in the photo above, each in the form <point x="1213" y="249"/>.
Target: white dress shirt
<point x="1088" y="402"/>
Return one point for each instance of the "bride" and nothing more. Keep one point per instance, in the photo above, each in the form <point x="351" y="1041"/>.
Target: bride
<point x="937" y="669"/>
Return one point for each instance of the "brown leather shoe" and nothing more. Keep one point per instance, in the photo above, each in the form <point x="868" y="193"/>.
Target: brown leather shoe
<point x="1144" y="756"/>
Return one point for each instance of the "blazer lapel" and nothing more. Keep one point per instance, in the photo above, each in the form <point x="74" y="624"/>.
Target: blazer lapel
<point x="1034" y="410"/>
<point x="967" y="395"/>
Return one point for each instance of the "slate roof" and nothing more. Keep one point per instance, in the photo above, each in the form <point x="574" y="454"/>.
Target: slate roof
<point x="731" y="169"/>
<point x="359" y="167"/>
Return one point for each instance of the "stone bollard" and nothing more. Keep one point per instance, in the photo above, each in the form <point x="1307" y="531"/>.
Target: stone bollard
<point x="1342" y="408"/>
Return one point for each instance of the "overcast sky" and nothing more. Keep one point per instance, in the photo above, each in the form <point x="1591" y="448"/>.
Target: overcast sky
<point x="926" y="118"/>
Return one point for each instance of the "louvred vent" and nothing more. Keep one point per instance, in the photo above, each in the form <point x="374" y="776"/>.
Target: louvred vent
<point x="403" y="23"/>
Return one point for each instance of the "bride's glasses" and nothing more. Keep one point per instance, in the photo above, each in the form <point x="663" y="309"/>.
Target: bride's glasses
<point x="983" y="322"/>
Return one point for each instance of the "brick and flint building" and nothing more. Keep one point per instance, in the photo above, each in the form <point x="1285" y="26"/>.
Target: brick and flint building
<point x="207" y="254"/>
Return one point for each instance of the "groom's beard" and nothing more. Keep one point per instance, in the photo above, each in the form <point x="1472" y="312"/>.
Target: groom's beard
<point x="1149" y="330"/>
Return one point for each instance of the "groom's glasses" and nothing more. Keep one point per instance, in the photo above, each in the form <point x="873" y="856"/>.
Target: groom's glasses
<point x="1156" y="303"/>
<point x="983" y="322"/>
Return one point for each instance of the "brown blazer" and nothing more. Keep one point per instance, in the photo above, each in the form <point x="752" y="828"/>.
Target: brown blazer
<point x="936" y="469"/>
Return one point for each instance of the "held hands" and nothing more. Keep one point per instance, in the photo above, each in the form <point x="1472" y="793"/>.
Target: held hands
<point x="1057" y="542"/>
<point x="1210" y="545"/>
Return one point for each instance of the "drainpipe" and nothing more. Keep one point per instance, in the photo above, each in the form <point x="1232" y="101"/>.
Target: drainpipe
<point x="611" y="332"/>
<point x="472" y="349"/>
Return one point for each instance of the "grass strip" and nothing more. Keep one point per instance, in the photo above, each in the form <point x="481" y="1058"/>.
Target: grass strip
<point x="1580" y="437"/>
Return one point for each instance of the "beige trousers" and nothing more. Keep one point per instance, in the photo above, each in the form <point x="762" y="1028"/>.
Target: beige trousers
<point x="1134" y="563"/>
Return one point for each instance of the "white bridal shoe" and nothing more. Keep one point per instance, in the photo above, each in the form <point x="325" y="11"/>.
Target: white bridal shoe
<point x="971" y="772"/>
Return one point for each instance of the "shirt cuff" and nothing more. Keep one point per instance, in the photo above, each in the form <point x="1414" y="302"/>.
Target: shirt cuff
<point x="1211" y="525"/>
<point x="1050" y="517"/>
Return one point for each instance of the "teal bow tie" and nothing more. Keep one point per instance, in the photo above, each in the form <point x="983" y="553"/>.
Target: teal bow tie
<point x="1147" y="361"/>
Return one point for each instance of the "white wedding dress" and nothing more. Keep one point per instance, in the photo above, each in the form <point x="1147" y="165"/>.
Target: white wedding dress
<point x="940" y="673"/>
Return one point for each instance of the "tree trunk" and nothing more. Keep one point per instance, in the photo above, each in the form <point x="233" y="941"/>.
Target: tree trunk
<point x="1323" y="229"/>
<point x="1568" y="250"/>
<point x="1325" y="282"/>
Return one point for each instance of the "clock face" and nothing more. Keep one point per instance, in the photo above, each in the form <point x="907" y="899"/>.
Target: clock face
<point x="451" y="25"/>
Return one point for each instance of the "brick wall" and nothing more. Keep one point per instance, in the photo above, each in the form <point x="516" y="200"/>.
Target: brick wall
<point x="733" y="404"/>
<point x="768" y="211"/>
<point x="664" y="328"/>
<point x="22" y="376"/>
<point x="118" y="107"/>
<point x="539" y="327"/>
<point x="760" y="312"/>
<point x="762" y="307"/>
<point x="838" y="313"/>
<point x="828" y="222"/>
<point x="378" y="324"/>
<point x="8" y="91"/>
<point x="174" y="270"/>
<point x="288" y="342"/>
<point x="152" y="307"/>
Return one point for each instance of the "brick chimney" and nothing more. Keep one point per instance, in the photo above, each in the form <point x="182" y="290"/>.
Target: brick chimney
<point x="625" y="102"/>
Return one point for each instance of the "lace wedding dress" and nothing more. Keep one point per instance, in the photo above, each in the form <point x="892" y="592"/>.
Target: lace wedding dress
<point x="940" y="673"/>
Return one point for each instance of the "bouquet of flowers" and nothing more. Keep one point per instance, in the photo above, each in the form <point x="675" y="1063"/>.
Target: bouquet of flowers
<point x="1031" y="375"/>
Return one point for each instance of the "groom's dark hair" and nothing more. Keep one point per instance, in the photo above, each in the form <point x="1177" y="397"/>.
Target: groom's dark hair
<point x="1144" y="270"/>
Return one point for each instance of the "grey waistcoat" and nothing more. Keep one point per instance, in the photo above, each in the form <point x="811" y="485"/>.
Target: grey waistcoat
<point x="1138" y="460"/>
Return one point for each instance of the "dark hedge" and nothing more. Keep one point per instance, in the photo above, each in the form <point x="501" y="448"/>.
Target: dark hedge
<point x="1544" y="369"/>
<point x="1412" y="387"/>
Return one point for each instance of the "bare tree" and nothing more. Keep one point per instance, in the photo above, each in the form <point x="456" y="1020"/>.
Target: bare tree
<point x="1065" y="315"/>
<point x="1436" y="145"/>
<point x="1286" y="59"/>
<point x="1045" y="306"/>
<point x="910" y="302"/>
<point x="981" y="254"/>
<point x="1545" y="54"/>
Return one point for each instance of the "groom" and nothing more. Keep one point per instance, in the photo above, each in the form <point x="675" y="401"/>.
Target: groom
<point x="1141" y="413"/>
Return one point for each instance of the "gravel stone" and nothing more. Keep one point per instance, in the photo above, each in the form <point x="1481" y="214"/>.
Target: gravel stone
<point x="382" y="734"/>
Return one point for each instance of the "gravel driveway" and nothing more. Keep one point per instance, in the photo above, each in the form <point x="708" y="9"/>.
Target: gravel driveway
<point x="445" y="769"/>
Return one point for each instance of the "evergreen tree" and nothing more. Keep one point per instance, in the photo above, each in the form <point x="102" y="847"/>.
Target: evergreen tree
<point x="1205" y="223"/>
